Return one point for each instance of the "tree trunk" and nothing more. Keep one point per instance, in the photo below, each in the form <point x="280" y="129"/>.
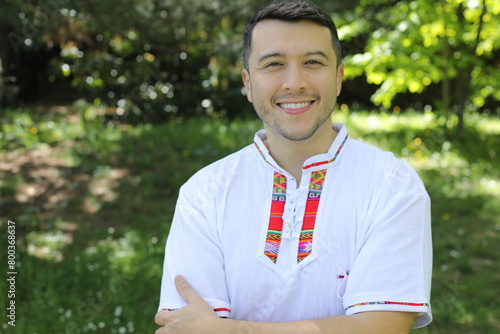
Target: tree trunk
<point x="463" y="80"/>
<point x="1" y="81"/>
<point x="445" y="84"/>
<point x="462" y="95"/>
<point x="460" y="125"/>
<point x="461" y="86"/>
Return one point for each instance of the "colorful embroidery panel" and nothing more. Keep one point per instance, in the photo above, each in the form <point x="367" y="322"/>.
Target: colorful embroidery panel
<point x="275" y="228"/>
<point x="313" y="198"/>
<point x="388" y="303"/>
<point x="274" y="231"/>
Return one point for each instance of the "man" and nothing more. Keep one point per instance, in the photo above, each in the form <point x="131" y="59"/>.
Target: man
<point x="306" y="230"/>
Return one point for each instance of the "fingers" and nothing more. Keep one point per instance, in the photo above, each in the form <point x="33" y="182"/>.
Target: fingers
<point x="185" y="290"/>
<point x="160" y="321"/>
<point x="183" y="318"/>
<point x="159" y="318"/>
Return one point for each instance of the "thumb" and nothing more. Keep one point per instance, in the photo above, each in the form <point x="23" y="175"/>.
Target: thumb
<point x="186" y="291"/>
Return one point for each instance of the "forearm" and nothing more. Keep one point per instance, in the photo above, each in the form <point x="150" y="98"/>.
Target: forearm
<point x="198" y="317"/>
<point x="369" y="322"/>
<point x="230" y="326"/>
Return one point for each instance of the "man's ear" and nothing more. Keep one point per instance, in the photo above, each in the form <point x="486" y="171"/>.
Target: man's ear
<point x="245" y="76"/>
<point x="340" y="77"/>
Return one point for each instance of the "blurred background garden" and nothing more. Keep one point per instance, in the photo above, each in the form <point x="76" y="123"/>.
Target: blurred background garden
<point x="107" y="107"/>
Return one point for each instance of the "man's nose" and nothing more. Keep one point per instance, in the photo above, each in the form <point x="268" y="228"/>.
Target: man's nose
<point x="295" y="79"/>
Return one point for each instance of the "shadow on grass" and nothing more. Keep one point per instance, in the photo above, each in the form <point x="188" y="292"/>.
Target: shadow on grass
<point x="465" y="230"/>
<point x="476" y="146"/>
<point x="92" y="214"/>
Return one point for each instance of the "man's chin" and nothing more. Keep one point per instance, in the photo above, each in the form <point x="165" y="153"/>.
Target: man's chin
<point x="297" y="136"/>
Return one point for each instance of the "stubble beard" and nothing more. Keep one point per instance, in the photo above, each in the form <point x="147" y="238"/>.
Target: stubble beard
<point x="266" y="116"/>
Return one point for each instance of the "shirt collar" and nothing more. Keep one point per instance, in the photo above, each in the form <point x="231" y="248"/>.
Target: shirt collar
<point x="314" y="163"/>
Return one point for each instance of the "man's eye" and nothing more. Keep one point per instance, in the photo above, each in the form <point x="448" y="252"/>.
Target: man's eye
<point x="313" y="62"/>
<point x="274" y="64"/>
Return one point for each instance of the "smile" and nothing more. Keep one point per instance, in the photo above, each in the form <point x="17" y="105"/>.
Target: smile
<point x="295" y="108"/>
<point x="295" y="105"/>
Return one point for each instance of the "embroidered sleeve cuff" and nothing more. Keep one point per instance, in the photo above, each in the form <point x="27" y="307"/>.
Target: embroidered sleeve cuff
<point x="222" y="309"/>
<point x="423" y="309"/>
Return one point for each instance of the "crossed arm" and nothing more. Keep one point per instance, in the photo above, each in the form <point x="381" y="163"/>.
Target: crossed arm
<point x="198" y="317"/>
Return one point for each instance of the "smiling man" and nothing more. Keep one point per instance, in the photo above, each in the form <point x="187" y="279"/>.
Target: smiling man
<point x="306" y="230"/>
<point x="293" y="80"/>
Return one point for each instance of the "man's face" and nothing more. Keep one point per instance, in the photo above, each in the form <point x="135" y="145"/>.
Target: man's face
<point x="293" y="80"/>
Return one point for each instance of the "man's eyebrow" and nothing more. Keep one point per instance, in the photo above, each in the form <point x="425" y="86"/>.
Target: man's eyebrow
<point x="271" y="55"/>
<point x="279" y="54"/>
<point x="317" y="53"/>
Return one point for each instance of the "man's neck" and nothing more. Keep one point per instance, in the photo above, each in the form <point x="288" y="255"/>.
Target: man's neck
<point x="291" y="155"/>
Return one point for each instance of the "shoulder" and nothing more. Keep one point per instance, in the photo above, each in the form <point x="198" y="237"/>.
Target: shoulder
<point x="223" y="170"/>
<point x="362" y="151"/>
<point x="381" y="166"/>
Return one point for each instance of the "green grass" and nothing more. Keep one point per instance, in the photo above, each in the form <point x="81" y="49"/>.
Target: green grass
<point x="92" y="200"/>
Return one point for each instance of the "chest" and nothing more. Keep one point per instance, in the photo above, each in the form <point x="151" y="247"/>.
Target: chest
<point x="284" y="245"/>
<point x="283" y="229"/>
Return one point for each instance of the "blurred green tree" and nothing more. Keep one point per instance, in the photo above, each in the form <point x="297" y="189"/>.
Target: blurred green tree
<point x="148" y="60"/>
<point x="153" y="59"/>
<point x="407" y="46"/>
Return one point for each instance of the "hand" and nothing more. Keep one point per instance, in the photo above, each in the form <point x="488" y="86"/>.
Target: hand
<point x="196" y="317"/>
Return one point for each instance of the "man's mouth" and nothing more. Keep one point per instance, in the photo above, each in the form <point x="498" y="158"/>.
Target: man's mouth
<point x="294" y="106"/>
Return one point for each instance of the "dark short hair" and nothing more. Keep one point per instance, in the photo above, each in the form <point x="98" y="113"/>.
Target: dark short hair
<point x="290" y="11"/>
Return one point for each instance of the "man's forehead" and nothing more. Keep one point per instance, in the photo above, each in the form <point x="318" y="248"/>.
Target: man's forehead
<point x="276" y="36"/>
<point x="267" y="24"/>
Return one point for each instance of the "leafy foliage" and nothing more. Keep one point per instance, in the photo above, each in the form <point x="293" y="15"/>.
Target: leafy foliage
<point x="152" y="59"/>
<point x="412" y="45"/>
<point x="156" y="60"/>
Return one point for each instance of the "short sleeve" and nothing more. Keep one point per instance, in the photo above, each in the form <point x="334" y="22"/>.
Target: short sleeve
<point x="393" y="268"/>
<point x="193" y="250"/>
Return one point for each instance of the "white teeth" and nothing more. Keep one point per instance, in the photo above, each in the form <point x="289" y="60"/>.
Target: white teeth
<point x="295" y="105"/>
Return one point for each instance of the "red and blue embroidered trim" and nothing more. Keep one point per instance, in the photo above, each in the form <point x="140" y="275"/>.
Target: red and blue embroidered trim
<point x="275" y="228"/>
<point x="264" y="156"/>
<point x="312" y="204"/>
<point x="220" y="309"/>
<point x="388" y="303"/>
<point x="328" y="161"/>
